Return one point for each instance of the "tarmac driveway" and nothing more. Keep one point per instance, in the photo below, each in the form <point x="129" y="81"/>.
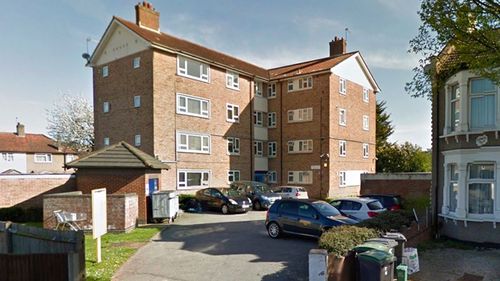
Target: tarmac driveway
<point x="219" y="247"/>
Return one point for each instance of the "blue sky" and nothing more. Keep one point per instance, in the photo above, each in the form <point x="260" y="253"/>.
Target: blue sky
<point x="43" y="42"/>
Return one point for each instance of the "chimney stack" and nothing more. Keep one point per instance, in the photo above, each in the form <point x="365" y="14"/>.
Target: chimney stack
<point x="20" y="130"/>
<point x="147" y="17"/>
<point x="338" y="46"/>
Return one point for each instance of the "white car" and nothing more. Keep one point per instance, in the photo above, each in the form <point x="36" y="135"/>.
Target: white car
<point x="358" y="208"/>
<point x="294" y="192"/>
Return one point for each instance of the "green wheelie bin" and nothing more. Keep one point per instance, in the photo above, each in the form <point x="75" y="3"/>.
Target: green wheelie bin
<point x="375" y="265"/>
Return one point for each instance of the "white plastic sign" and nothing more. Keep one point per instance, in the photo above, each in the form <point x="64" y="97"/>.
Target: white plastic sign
<point x="99" y="213"/>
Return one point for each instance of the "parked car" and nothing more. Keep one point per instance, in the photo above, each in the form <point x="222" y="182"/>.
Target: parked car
<point x="295" y="192"/>
<point x="223" y="199"/>
<point x="261" y="195"/>
<point x="358" y="208"/>
<point x="304" y="217"/>
<point x="390" y="202"/>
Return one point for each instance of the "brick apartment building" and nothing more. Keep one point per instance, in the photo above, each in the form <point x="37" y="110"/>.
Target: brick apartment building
<point x="215" y="118"/>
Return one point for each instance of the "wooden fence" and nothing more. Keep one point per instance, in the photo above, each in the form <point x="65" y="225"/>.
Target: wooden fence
<point x="32" y="253"/>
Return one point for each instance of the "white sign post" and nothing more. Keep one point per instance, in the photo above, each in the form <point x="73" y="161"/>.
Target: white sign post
<point x="99" y="217"/>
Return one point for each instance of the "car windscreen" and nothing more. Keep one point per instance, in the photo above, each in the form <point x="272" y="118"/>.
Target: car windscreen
<point x="262" y="188"/>
<point x="231" y="192"/>
<point x="375" y="205"/>
<point x="326" y="209"/>
<point x="301" y="189"/>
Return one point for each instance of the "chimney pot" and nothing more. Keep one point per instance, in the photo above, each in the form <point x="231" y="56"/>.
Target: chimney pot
<point x="20" y="130"/>
<point x="338" y="46"/>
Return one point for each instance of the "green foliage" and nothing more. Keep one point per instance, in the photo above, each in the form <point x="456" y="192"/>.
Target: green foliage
<point x="418" y="203"/>
<point x="472" y="27"/>
<point x="387" y="221"/>
<point x="184" y="199"/>
<point x="384" y="129"/>
<point x="16" y="214"/>
<point x="407" y="157"/>
<point x="340" y="240"/>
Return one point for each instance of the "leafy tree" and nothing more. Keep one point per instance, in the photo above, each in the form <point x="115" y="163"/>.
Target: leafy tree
<point x="384" y="128"/>
<point x="71" y="123"/>
<point x="470" y="29"/>
<point x="407" y="157"/>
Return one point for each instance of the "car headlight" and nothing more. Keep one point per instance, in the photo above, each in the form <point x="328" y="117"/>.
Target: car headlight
<point x="233" y="202"/>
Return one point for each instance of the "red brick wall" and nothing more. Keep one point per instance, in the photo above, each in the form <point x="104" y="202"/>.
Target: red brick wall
<point x="27" y="190"/>
<point x="408" y="185"/>
<point x="122" y="209"/>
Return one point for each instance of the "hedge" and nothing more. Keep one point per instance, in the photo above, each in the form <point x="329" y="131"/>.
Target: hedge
<point x="387" y="221"/>
<point x="340" y="240"/>
<point x="16" y="214"/>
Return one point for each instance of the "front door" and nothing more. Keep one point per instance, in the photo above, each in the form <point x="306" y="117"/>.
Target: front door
<point x="259" y="176"/>
<point x="153" y="186"/>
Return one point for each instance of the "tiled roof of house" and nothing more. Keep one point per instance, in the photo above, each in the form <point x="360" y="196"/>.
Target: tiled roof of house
<point x="119" y="155"/>
<point x="29" y="143"/>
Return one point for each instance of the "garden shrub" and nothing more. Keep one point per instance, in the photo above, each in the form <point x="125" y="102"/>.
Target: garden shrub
<point x="184" y="200"/>
<point x="390" y="220"/>
<point x="340" y="240"/>
<point x="16" y="214"/>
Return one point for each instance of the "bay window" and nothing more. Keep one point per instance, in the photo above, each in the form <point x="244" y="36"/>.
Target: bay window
<point x="482" y="104"/>
<point x="454" y="108"/>
<point x="481" y="184"/>
<point x="453" y="188"/>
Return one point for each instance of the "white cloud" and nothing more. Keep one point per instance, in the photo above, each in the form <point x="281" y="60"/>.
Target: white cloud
<point x="391" y="60"/>
<point x="313" y="24"/>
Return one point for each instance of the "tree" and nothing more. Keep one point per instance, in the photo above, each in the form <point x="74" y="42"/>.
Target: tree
<point x="384" y="129"/>
<point x="471" y="28"/>
<point x="407" y="157"/>
<point x="71" y="123"/>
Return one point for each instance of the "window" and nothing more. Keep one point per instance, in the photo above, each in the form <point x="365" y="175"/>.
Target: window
<point x="194" y="143"/>
<point x="300" y="84"/>
<point x="366" y="95"/>
<point x="342" y="181"/>
<point x="454" y="107"/>
<point x="233" y="175"/>
<point x="300" y="115"/>
<point x="271" y="120"/>
<point x="272" y="149"/>
<point x="193" y="69"/>
<point x="258" y="118"/>
<point x="271" y="91"/>
<point x="233" y="146"/>
<point x="453" y="188"/>
<point x="342" y="148"/>
<point x="106" y="141"/>
<point x="365" y="122"/>
<point x="232" y="80"/>
<point x="193" y="178"/>
<point x="342" y="86"/>
<point x="105" y="71"/>
<point x="70" y="157"/>
<point x="303" y="177"/>
<point x="136" y="62"/>
<point x="137" y="101"/>
<point x="8" y="157"/>
<point x="300" y="146"/>
<point x="258" y="148"/>
<point x="194" y="106"/>
<point x="342" y="117"/>
<point x="105" y="106"/>
<point x="482" y="104"/>
<point x="272" y="177"/>
<point x="481" y="184"/>
<point x="43" y="158"/>
<point x="366" y="151"/>
<point x="307" y="211"/>
<point x="233" y="113"/>
<point x="258" y="88"/>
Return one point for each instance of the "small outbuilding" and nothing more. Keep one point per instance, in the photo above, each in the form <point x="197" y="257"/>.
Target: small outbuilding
<point x="120" y="168"/>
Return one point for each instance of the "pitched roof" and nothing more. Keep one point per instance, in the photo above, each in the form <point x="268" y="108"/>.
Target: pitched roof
<point x="30" y="143"/>
<point x="119" y="155"/>
<point x="184" y="46"/>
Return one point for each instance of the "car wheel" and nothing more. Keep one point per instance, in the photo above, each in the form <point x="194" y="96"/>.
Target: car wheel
<point x="224" y="209"/>
<point x="257" y="206"/>
<point x="274" y="230"/>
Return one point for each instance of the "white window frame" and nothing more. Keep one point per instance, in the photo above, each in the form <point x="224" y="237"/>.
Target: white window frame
<point x="300" y="115"/>
<point x="235" y="113"/>
<point x="366" y="150"/>
<point x="271" y="119"/>
<point x="258" y="118"/>
<point x="342" y="179"/>
<point x="342" y="86"/>
<point x="271" y="91"/>
<point x="297" y="177"/>
<point x="182" y="69"/>
<point x="303" y="83"/>
<point x="204" y="149"/>
<point x="232" y="80"/>
<point x="47" y="158"/>
<point x="300" y="146"/>
<point x="137" y="101"/>
<point x="136" y="62"/>
<point x="272" y="149"/>
<point x="235" y="144"/>
<point x="183" y="110"/>
<point x="452" y="181"/>
<point x="494" y="93"/>
<point x="106" y="106"/>
<point x="366" y="95"/>
<point x="258" y="148"/>
<point x="342" y="148"/>
<point x="258" y="85"/>
<point x="272" y="177"/>
<point x="453" y="124"/>
<point x="137" y="140"/>
<point x="234" y="175"/>
<point x="366" y="122"/>
<point x="342" y="117"/>
<point x="105" y="141"/>
<point x="491" y="181"/>
<point x="203" y="183"/>
<point x="105" y="71"/>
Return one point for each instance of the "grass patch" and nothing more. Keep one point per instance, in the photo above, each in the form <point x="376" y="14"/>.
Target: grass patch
<point x="116" y="249"/>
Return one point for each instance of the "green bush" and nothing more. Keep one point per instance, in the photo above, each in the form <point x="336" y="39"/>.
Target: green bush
<point x="340" y="240"/>
<point x="390" y="220"/>
<point x="184" y="199"/>
<point x="16" y="214"/>
<point x="417" y="203"/>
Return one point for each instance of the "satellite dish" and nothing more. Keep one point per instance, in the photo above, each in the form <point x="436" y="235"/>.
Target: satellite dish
<point x="86" y="56"/>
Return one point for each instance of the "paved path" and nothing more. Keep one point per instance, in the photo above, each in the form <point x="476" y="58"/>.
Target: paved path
<point x="219" y="247"/>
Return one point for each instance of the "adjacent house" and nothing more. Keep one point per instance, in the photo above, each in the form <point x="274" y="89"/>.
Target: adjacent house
<point x="22" y="153"/>
<point x="216" y="119"/>
<point x="466" y="151"/>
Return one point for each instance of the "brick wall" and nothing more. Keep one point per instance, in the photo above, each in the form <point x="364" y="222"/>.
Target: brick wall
<point x="122" y="209"/>
<point x="27" y="190"/>
<point x="408" y="185"/>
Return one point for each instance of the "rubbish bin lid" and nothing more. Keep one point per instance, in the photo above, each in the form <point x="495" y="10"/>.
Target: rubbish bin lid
<point x="394" y="235"/>
<point x="367" y="246"/>
<point x="379" y="257"/>
<point x="391" y="243"/>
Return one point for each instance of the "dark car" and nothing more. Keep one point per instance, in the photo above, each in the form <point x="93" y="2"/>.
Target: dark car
<point x="390" y="202"/>
<point x="304" y="217"/>
<point x="261" y="194"/>
<point x="223" y="199"/>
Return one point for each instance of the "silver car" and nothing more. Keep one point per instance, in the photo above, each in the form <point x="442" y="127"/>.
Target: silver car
<point x="358" y="208"/>
<point x="293" y="192"/>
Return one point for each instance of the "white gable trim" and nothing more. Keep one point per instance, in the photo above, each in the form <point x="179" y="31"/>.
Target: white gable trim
<point x="355" y="69"/>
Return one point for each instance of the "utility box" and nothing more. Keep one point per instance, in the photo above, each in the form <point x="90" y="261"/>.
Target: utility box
<point x="165" y="205"/>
